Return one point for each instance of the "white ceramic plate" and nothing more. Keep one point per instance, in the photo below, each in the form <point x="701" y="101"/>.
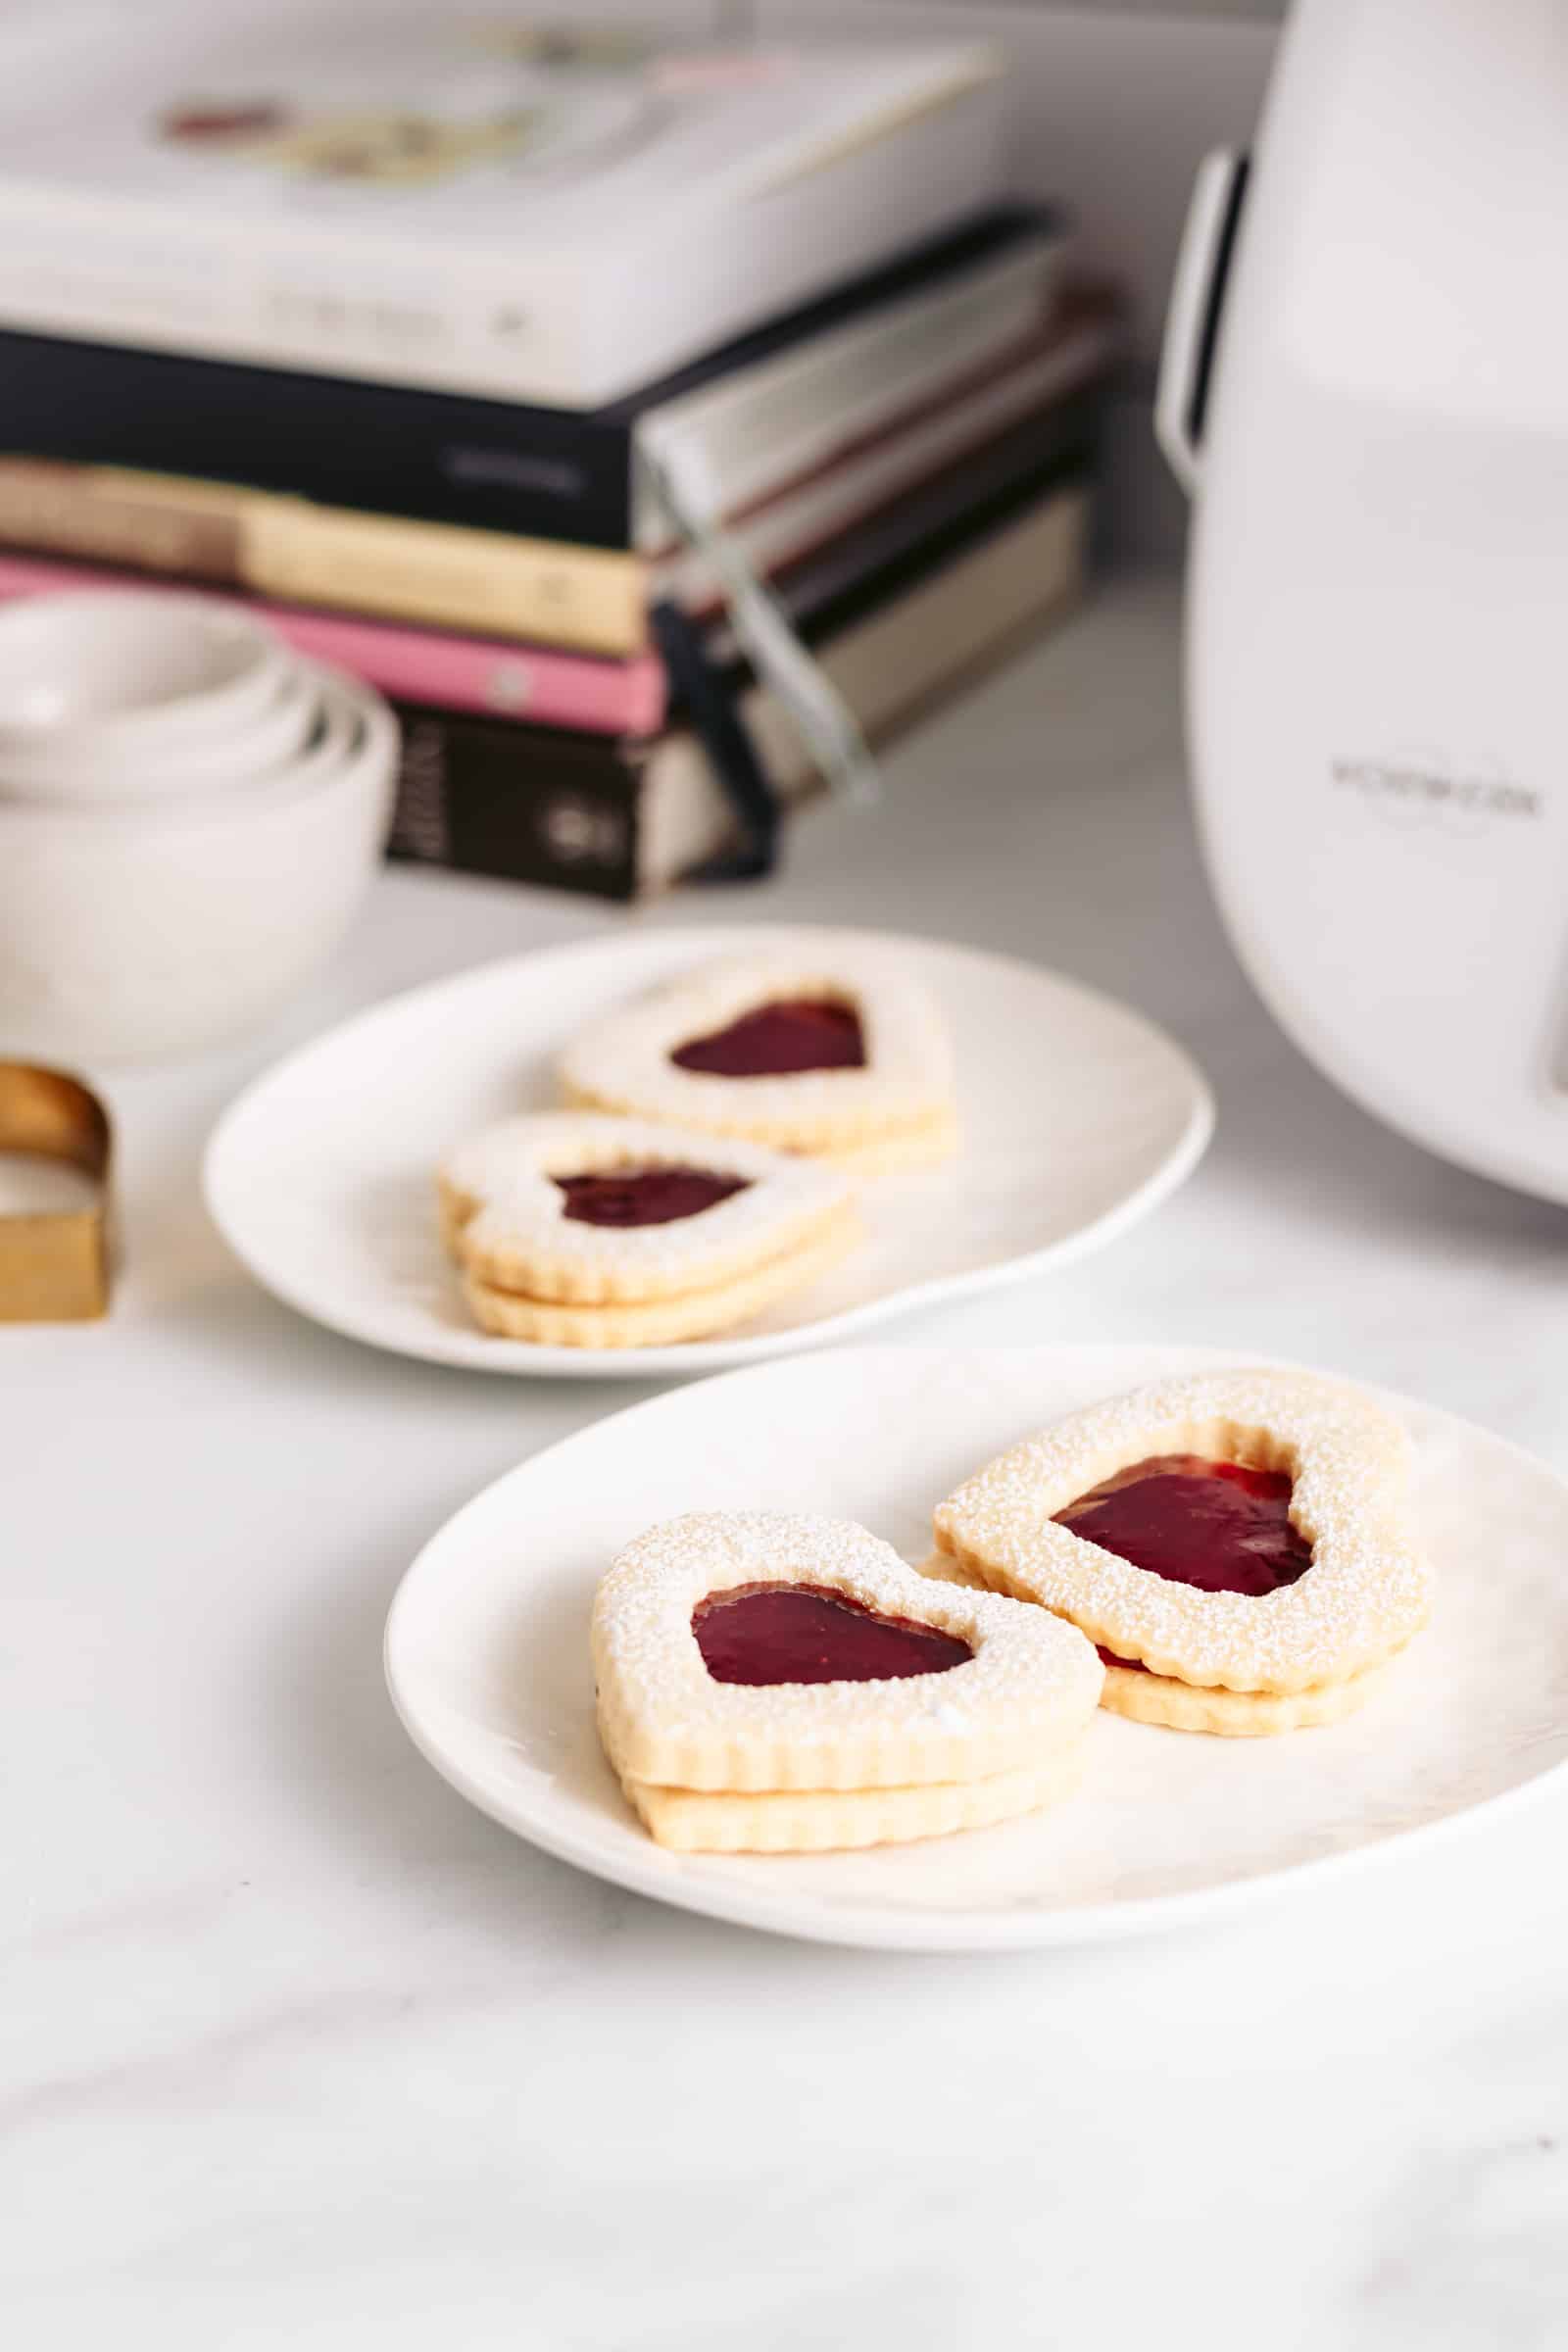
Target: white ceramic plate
<point x="1079" y="1117"/>
<point x="487" y="1660"/>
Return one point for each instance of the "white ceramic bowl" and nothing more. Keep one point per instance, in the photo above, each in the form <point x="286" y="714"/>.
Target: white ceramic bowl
<point x="132" y="931"/>
<point x="96" y="675"/>
<point x="270" y="741"/>
<point x="335" y="706"/>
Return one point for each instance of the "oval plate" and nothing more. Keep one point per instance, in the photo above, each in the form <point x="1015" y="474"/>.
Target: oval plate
<point x="1079" y="1115"/>
<point x="487" y="1661"/>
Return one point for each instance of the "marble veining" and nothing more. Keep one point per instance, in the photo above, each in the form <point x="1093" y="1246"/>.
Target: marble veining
<point x="295" y="2049"/>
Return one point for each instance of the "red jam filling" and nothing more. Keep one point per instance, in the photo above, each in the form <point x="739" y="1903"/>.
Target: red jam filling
<point x="241" y="121"/>
<point x="779" y="1041"/>
<point x="812" y="1634"/>
<point x="1195" y="1522"/>
<point x="644" y="1195"/>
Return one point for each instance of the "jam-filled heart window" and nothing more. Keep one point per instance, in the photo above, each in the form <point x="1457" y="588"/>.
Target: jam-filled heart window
<point x="1220" y="1527"/>
<point x="840" y="1052"/>
<point x="766" y="1634"/>
<point x="782" y="1039"/>
<point x="644" y="1195"/>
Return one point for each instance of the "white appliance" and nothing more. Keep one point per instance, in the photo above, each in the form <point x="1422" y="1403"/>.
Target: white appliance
<point x="1366" y="387"/>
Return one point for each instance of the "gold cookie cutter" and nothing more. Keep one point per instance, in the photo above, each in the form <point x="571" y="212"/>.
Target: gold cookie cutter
<point x="55" y="1264"/>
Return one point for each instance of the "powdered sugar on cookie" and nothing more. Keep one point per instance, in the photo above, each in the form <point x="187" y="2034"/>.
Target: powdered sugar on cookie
<point x="902" y="1087"/>
<point x="1031" y="1685"/>
<point x="1367" y="1590"/>
<point x="507" y="1219"/>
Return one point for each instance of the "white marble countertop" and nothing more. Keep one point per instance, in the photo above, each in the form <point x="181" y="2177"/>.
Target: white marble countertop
<point x="298" y="2049"/>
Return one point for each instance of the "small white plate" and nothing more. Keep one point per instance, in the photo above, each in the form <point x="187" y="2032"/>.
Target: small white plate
<point x="1079" y="1117"/>
<point x="487" y="1661"/>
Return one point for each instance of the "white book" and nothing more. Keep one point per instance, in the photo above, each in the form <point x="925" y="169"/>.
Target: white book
<point x="462" y="204"/>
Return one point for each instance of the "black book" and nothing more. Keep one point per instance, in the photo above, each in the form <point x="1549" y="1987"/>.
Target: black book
<point x="541" y="473"/>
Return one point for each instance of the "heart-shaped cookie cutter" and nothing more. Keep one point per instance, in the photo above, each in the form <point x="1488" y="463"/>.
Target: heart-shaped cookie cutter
<point x="55" y="1265"/>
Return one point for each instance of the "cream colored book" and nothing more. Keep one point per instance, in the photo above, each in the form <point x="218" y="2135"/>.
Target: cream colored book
<point x="591" y="600"/>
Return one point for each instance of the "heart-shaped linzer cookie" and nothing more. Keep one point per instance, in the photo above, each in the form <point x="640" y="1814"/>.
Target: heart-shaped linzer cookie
<point x="566" y="1207"/>
<point x="1243" y="1532"/>
<point x="743" y="1651"/>
<point x="838" y="1054"/>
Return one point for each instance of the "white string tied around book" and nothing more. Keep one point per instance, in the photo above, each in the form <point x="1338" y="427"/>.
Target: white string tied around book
<point x="822" y="718"/>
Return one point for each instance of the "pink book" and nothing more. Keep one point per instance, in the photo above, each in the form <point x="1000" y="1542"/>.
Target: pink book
<point x="420" y="665"/>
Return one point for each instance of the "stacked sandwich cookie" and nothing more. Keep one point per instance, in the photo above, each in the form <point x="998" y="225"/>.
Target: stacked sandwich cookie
<point x="572" y="1230"/>
<point x="773" y="1682"/>
<point x="1234" y="1543"/>
<point x="838" y="1055"/>
<point x="724" y="1123"/>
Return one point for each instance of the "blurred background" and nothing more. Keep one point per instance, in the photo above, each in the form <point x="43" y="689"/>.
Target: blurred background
<point x="1114" y="103"/>
<point x="621" y="710"/>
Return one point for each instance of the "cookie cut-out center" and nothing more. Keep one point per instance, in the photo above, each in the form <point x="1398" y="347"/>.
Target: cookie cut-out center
<point x="1211" y="1525"/>
<point x="780" y="1040"/>
<point x="644" y="1195"/>
<point x="759" y="1634"/>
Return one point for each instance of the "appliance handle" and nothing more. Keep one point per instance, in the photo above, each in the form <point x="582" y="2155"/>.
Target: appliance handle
<point x="1191" y="321"/>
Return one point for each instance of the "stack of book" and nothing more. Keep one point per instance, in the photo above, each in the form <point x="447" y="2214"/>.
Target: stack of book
<point x="548" y="381"/>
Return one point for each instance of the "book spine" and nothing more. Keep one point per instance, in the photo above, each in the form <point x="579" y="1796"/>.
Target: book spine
<point x="478" y="800"/>
<point x="421" y="666"/>
<point x="807" y="409"/>
<point x="434" y="457"/>
<point x="876" y="477"/>
<point x="587" y="599"/>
